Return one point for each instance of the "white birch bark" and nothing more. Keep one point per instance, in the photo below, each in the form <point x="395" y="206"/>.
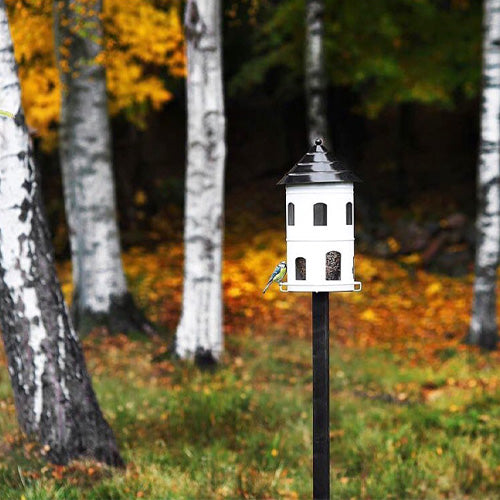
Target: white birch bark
<point x="54" y="399"/>
<point x="199" y="333"/>
<point x="315" y="79"/>
<point x="100" y="289"/>
<point x="483" y="326"/>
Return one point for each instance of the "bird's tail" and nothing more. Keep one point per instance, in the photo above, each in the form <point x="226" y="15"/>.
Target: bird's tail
<point x="267" y="286"/>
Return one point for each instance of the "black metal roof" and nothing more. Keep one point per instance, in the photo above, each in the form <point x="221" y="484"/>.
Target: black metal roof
<point x="318" y="166"/>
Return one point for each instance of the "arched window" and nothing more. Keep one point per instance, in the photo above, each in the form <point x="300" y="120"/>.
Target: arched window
<point x="300" y="268"/>
<point x="291" y="214"/>
<point x="348" y="214"/>
<point x="333" y="265"/>
<point x="320" y="214"/>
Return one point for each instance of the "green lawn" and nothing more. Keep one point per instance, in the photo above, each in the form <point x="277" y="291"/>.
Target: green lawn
<point x="245" y="431"/>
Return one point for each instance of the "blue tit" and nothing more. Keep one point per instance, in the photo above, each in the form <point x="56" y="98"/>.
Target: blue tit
<point x="278" y="274"/>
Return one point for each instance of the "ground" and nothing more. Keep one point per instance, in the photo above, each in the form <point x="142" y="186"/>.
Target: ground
<point x="414" y="412"/>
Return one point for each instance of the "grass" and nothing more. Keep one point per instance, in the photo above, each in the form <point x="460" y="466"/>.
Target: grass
<point x="244" y="431"/>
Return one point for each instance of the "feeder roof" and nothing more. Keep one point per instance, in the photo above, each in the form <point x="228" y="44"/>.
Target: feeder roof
<point x="318" y="166"/>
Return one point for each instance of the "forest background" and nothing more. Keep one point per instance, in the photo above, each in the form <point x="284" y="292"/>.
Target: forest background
<point x="403" y="109"/>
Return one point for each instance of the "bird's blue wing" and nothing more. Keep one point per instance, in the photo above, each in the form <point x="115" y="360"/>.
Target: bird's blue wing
<point x="275" y="272"/>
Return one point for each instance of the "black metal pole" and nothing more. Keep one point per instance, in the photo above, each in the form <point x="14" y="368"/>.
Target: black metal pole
<point x="321" y="396"/>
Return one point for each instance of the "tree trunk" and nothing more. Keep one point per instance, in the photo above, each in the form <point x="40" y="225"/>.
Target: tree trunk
<point x="483" y="326"/>
<point x="100" y="289"/>
<point x="199" y="333"/>
<point x="315" y="80"/>
<point x="53" y="394"/>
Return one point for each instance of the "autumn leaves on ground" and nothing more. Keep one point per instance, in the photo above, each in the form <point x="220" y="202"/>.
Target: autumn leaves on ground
<point x="414" y="412"/>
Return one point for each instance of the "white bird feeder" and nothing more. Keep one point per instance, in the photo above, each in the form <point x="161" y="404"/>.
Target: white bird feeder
<point x="320" y="259"/>
<point x="320" y="224"/>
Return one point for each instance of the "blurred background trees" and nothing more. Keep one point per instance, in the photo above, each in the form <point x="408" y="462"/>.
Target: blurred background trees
<point x="314" y="72"/>
<point x="199" y="333"/>
<point x="484" y="325"/>
<point x="397" y="73"/>
<point x="402" y="80"/>
<point x="100" y="294"/>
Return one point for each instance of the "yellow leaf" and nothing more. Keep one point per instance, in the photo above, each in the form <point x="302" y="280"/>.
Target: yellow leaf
<point x="234" y="292"/>
<point x="433" y="289"/>
<point x="393" y="244"/>
<point x="369" y="315"/>
<point x="140" y="198"/>
<point x="413" y="258"/>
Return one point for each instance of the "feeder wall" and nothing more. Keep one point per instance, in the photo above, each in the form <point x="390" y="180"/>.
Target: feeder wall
<point x="313" y="242"/>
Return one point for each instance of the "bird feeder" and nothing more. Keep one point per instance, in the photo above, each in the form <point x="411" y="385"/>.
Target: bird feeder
<point x="320" y="224"/>
<point x="320" y="259"/>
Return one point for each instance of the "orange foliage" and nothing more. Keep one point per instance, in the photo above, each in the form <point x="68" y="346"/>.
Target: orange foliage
<point x="139" y="35"/>
<point x="415" y="313"/>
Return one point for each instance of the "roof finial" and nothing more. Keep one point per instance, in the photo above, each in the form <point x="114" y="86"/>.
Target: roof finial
<point x="318" y="141"/>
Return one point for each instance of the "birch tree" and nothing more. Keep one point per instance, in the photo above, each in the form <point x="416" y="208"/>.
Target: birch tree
<point x="100" y="289"/>
<point x="54" y="399"/>
<point x="483" y="325"/>
<point x="199" y="333"/>
<point x="315" y="79"/>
